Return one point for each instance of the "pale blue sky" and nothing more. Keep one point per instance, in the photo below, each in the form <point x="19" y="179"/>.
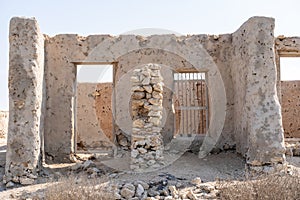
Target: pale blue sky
<point x="116" y="17"/>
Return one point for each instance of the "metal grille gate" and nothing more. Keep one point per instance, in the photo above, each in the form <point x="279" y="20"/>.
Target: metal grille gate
<point x="191" y="104"/>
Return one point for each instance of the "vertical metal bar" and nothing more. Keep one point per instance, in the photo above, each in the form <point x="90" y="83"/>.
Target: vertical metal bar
<point x="75" y="111"/>
<point x="207" y="104"/>
<point x="198" y="103"/>
<point x="201" y="102"/>
<point x="180" y="104"/>
<point x="188" y="103"/>
<point x="194" y="104"/>
<point x="174" y="102"/>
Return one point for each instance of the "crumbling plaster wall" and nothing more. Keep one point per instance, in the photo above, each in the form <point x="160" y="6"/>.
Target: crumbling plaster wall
<point x="94" y="116"/>
<point x="64" y="51"/>
<point x="258" y="122"/>
<point x="218" y="48"/>
<point x="244" y="109"/>
<point x="26" y="79"/>
<point x="290" y="102"/>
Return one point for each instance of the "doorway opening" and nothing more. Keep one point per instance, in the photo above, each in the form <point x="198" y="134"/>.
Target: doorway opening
<point x="93" y="110"/>
<point x="290" y="95"/>
<point x="191" y="104"/>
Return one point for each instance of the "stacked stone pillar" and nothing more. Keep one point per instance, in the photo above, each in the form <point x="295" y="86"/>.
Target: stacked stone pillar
<point x="146" y="107"/>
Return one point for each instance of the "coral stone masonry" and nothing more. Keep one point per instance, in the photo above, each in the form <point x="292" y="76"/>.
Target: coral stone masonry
<point x="26" y="89"/>
<point x="51" y="116"/>
<point x="146" y="105"/>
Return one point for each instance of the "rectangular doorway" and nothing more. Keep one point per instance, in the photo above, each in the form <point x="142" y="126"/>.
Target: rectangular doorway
<point x="94" y="108"/>
<point x="290" y="95"/>
<point x="191" y="103"/>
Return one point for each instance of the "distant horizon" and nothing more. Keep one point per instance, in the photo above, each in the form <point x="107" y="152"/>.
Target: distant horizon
<point x="123" y="17"/>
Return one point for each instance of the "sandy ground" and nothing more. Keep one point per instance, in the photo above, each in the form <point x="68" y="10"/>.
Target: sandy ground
<point x="181" y="164"/>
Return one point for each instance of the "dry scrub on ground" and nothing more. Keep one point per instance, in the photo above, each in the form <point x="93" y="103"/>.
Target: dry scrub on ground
<point x="281" y="187"/>
<point x="74" y="188"/>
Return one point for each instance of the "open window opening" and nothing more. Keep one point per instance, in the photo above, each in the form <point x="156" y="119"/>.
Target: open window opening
<point x="191" y="103"/>
<point x="93" y="108"/>
<point x="290" y="95"/>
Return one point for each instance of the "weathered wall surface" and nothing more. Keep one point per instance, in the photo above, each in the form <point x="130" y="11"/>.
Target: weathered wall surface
<point x="241" y="73"/>
<point x="258" y="123"/>
<point x="218" y="48"/>
<point x="26" y="77"/>
<point x="63" y="50"/>
<point x="290" y="106"/>
<point x="94" y="116"/>
<point x="3" y="124"/>
<point x="285" y="47"/>
<point x="60" y="78"/>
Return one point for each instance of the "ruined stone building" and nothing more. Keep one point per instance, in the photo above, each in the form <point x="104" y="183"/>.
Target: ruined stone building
<point x="224" y="87"/>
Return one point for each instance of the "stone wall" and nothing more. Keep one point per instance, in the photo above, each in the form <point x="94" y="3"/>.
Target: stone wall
<point x="94" y="116"/>
<point x="241" y="77"/>
<point x="146" y="107"/>
<point x="26" y="78"/>
<point x="258" y="122"/>
<point x="3" y="124"/>
<point x="290" y="107"/>
<point x="63" y="52"/>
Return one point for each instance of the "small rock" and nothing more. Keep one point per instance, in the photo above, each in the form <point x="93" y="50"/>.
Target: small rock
<point x="150" y="198"/>
<point x="117" y="195"/>
<point x="139" y="123"/>
<point x="173" y="190"/>
<point x="148" y="88"/>
<point x="26" y="181"/>
<point x="191" y="195"/>
<point x="138" y="95"/>
<point x="152" y="192"/>
<point x="88" y="164"/>
<point x="32" y="176"/>
<point x="129" y="186"/>
<point x="134" y="153"/>
<point x="127" y="193"/>
<point x="10" y="184"/>
<point x="93" y="170"/>
<point x="151" y="162"/>
<point x="144" y="184"/>
<point x="139" y="190"/>
<point x="206" y="187"/>
<point x="142" y="150"/>
<point x="146" y="81"/>
<point x="196" y="181"/>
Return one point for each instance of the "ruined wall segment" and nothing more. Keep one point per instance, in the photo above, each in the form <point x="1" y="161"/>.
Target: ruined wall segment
<point x="146" y="107"/>
<point x="290" y="103"/>
<point x="64" y="51"/>
<point x="26" y="70"/>
<point x="258" y="122"/>
<point x="94" y="116"/>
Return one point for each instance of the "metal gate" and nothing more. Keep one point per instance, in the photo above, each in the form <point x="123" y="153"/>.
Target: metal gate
<point x="191" y="103"/>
